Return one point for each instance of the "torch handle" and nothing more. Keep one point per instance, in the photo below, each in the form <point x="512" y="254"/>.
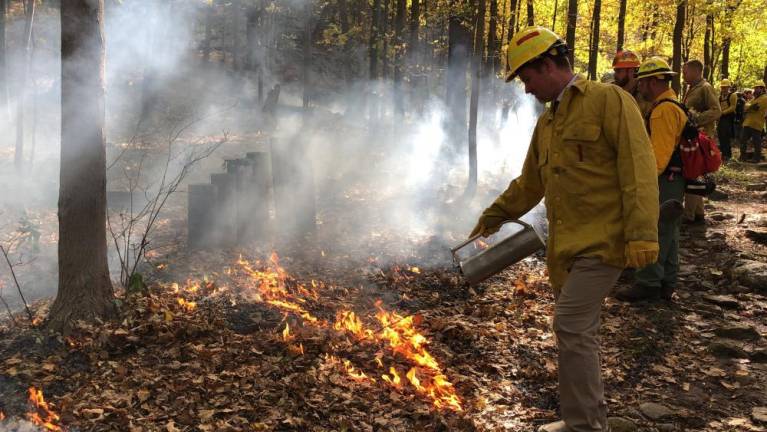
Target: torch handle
<point x="454" y="250"/>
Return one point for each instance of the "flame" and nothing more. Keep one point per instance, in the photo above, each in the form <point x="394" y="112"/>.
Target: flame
<point x="2" y="416"/>
<point x="286" y="336"/>
<point x="188" y="306"/>
<point x="42" y="414"/>
<point x="398" y="333"/>
<point x="395" y="379"/>
<point x="480" y="244"/>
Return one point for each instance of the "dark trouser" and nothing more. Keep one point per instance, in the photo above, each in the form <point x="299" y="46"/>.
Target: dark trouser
<point x="725" y="132"/>
<point x="755" y="137"/>
<point x="663" y="273"/>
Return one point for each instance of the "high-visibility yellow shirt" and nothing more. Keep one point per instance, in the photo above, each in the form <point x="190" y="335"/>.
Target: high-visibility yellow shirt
<point x="754" y="112"/>
<point x="592" y="162"/>
<point x="666" y="123"/>
<point x="728" y="104"/>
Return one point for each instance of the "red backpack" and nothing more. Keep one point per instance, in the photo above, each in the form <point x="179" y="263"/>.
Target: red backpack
<point x="697" y="152"/>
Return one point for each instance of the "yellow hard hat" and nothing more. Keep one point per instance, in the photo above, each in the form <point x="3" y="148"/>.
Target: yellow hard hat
<point x="625" y="59"/>
<point x="530" y="44"/>
<point x="725" y="83"/>
<point x="654" y="66"/>
<point x="758" y="84"/>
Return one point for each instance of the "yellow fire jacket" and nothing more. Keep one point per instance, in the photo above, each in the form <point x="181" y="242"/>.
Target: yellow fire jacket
<point x="666" y="123"/>
<point x="754" y="113"/>
<point x="728" y="104"/>
<point x="592" y="162"/>
<point x="702" y="99"/>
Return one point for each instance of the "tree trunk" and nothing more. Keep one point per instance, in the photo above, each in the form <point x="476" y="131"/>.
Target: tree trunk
<point x="459" y="46"/>
<point x="726" y="58"/>
<point x="208" y="32"/>
<point x="415" y="24"/>
<point x="491" y="58"/>
<point x="621" y="24"/>
<point x="476" y="78"/>
<point x="518" y="15"/>
<point x="4" y="110"/>
<point x="512" y="20"/>
<point x="677" y="43"/>
<point x="85" y="290"/>
<point x="554" y="18"/>
<point x="385" y="30"/>
<point x="594" y="48"/>
<point x="399" y="27"/>
<point x="707" y="53"/>
<point x="572" y="21"/>
<point x="29" y="13"/>
<point x="530" y="13"/>
<point x="307" y="54"/>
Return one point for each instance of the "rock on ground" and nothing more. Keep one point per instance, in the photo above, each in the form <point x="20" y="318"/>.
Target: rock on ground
<point x="655" y="411"/>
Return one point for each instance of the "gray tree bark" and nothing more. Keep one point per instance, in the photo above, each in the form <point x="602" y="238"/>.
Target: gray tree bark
<point x="85" y="290"/>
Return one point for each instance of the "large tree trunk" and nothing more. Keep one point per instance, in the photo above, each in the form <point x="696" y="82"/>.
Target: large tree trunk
<point x="677" y="43"/>
<point x="621" y="24"/>
<point x="476" y="77"/>
<point x="85" y="290"/>
<point x="726" y="58"/>
<point x="459" y="46"/>
<point x="4" y="112"/>
<point x="530" y="13"/>
<point x="594" y="48"/>
<point x="29" y="13"/>
<point x="572" y="21"/>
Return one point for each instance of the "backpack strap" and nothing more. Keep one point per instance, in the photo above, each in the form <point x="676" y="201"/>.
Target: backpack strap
<point x="675" y="163"/>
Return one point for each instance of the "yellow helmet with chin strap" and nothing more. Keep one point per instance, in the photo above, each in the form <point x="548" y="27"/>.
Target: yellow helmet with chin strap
<point x="654" y="66"/>
<point x="725" y="83"/>
<point x="530" y="44"/>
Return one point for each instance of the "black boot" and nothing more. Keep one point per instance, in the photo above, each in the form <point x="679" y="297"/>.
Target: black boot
<point x="635" y="293"/>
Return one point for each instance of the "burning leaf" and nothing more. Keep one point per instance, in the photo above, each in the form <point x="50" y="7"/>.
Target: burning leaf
<point x="41" y="414"/>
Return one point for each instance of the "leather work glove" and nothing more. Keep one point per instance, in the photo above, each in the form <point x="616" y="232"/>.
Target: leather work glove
<point x="641" y="253"/>
<point x="489" y="222"/>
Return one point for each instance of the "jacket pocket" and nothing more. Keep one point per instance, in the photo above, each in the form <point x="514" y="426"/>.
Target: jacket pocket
<point x="580" y="143"/>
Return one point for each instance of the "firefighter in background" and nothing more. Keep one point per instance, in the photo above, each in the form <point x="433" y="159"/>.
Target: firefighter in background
<point x="590" y="157"/>
<point x="665" y="124"/>
<point x="725" y="128"/>
<point x="753" y="124"/>
<point x="625" y="66"/>
<point x="703" y="106"/>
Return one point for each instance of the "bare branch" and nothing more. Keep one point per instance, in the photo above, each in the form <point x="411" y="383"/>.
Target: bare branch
<point x="16" y="281"/>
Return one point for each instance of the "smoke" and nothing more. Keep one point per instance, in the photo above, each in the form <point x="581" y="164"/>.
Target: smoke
<point x="383" y="186"/>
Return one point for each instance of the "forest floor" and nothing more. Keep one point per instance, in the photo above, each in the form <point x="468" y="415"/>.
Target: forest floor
<point x="328" y="340"/>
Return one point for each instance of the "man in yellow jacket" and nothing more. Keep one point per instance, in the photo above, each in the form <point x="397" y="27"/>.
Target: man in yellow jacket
<point x="665" y="125"/>
<point x="725" y="127"/>
<point x="703" y="105"/>
<point x="591" y="159"/>
<point x="753" y="123"/>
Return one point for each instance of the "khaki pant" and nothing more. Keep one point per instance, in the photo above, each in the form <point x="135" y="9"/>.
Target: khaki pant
<point x="693" y="206"/>
<point x="576" y="325"/>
